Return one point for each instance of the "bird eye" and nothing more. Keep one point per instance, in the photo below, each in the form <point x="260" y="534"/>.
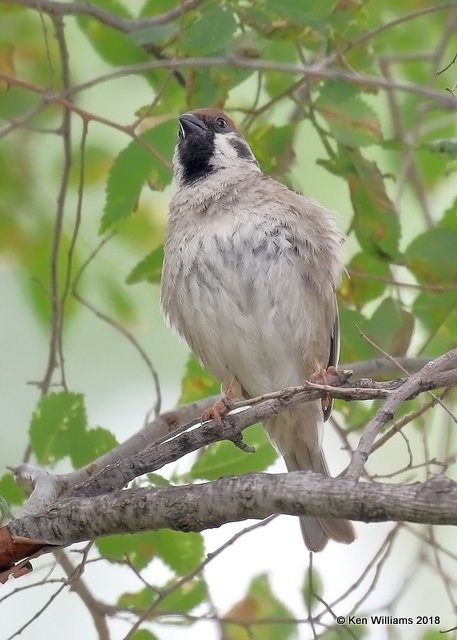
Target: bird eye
<point x="221" y="123"/>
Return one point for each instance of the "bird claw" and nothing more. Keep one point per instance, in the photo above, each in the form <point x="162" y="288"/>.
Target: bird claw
<point x="217" y="411"/>
<point x="330" y="377"/>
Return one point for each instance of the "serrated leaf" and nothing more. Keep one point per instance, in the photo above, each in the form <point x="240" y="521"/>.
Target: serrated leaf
<point x="224" y="458"/>
<point x="196" y="383"/>
<point x="366" y="279"/>
<point x="149" y="269"/>
<point x="183" y="599"/>
<point x="111" y="45"/>
<point x="390" y="327"/>
<point x="96" y="442"/>
<point x="352" y="122"/>
<point x="158" y="35"/>
<point x="57" y="424"/>
<point x="59" y="428"/>
<point x="260" y="602"/>
<point x="305" y="14"/>
<point x="432" y="256"/>
<point x="353" y="346"/>
<point x="376" y="222"/>
<point x="134" y="166"/>
<point x="212" y="31"/>
<point x="273" y="146"/>
<point x="181" y="551"/>
<point x="336" y="91"/>
<point x="437" y="311"/>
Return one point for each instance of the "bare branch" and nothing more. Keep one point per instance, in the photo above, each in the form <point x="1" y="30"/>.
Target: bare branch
<point x="126" y="25"/>
<point x="255" y="495"/>
<point x="386" y="412"/>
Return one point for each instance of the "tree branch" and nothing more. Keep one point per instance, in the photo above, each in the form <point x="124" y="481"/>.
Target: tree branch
<point x="126" y="25"/>
<point x="138" y="456"/>
<point x="386" y="412"/>
<point x="255" y="495"/>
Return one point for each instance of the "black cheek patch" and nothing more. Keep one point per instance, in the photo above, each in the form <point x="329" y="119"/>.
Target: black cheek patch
<point x="241" y="148"/>
<point x="195" y="153"/>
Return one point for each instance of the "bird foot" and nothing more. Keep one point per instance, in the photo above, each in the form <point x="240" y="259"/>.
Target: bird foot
<point x="218" y="410"/>
<point x="331" y="377"/>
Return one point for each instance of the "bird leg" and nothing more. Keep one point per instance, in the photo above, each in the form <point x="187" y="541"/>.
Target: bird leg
<point x="329" y="377"/>
<point x="218" y="410"/>
<point x="230" y="391"/>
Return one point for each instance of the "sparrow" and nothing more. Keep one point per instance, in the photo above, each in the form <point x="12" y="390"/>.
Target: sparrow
<point x="248" y="281"/>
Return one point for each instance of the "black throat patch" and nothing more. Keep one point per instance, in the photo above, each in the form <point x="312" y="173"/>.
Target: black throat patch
<point x="195" y="153"/>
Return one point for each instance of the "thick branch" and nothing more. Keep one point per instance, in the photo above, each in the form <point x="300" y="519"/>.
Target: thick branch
<point x="256" y="495"/>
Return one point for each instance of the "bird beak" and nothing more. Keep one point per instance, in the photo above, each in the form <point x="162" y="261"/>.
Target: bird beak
<point x="191" y="124"/>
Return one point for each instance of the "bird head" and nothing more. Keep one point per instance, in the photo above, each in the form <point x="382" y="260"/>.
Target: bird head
<point x="209" y="142"/>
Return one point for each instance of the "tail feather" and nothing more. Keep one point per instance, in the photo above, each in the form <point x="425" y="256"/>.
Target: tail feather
<point x="316" y="532"/>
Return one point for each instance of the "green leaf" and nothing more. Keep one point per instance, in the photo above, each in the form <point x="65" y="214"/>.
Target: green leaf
<point x="352" y="122"/>
<point x="353" y="346"/>
<point x="366" y="279"/>
<point x="282" y="51"/>
<point x="390" y="327"/>
<point x="57" y="426"/>
<point x="111" y="45"/>
<point x="224" y="458"/>
<point x="144" y="634"/>
<point x="183" y="599"/>
<point x="432" y="256"/>
<point x="449" y="219"/>
<point x="197" y="383"/>
<point x="133" y="167"/>
<point x="157" y="480"/>
<point x="377" y="227"/>
<point x="181" y="551"/>
<point x="10" y="491"/>
<point x="96" y="441"/>
<point x="149" y="269"/>
<point x="211" y="32"/>
<point x="273" y="146"/>
<point x="158" y="35"/>
<point x="186" y="598"/>
<point x="156" y="7"/>
<point x="260" y="602"/>
<point x="307" y="13"/>
<point x="437" y="311"/>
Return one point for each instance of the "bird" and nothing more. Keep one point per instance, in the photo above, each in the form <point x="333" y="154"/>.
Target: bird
<point x="249" y="282"/>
